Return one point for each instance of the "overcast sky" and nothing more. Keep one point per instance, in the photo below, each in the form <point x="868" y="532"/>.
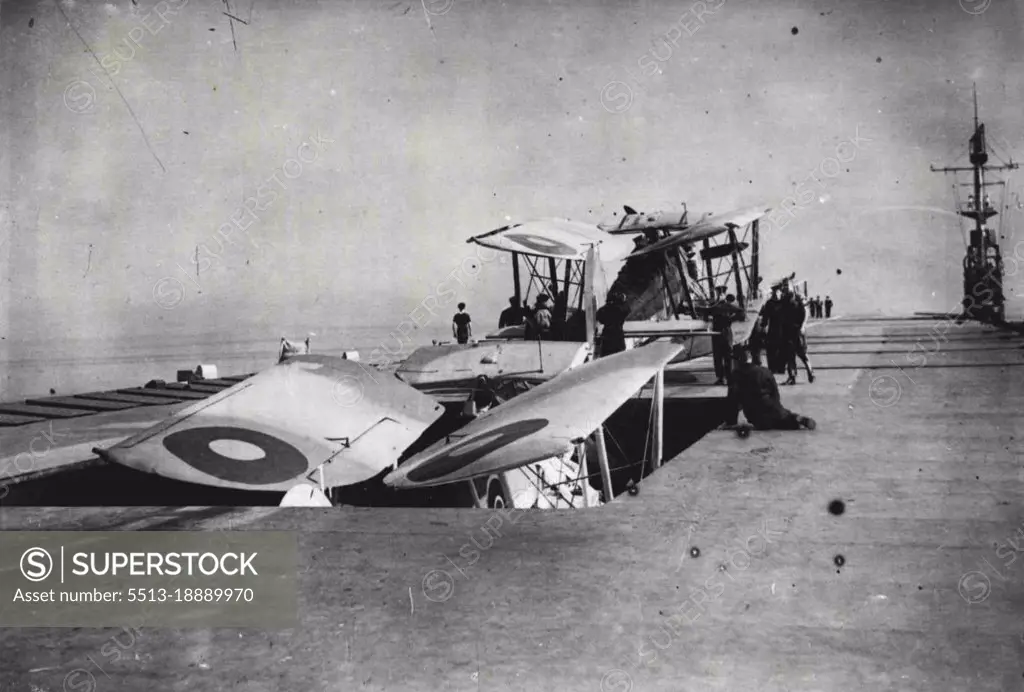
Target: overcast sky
<point x="426" y="123"/>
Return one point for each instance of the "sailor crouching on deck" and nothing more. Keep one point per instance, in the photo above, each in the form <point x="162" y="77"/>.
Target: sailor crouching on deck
<point x="752" y="389"/>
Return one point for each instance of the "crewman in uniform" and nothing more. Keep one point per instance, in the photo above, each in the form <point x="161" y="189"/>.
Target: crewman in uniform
<point x="512" y="315"/>
<point x="722" y="315"/>
<point x="828" y="306"/>
<point x="794" y="316"/>
<point x="462" y="330"/>
<point x="538" y="323"/>
<point x="753" y="390"/>
<point x="613" y="316"/>
<point x="772" y="331"/>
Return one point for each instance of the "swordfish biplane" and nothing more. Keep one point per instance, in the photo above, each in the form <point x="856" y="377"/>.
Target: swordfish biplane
<point x="667" y="293"/>
<point x="526" y="414"/>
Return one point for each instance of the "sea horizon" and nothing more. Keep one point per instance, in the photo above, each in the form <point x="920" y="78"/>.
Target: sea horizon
<point x="31" y="368"/>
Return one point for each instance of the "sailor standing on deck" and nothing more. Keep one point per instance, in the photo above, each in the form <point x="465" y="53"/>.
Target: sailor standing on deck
<point x="754" y="391"/>
<point x="462" y="329"/>
<point x="772" y="332"/>
<point x="613" y="316"/>
<point x="828" y="306"/>
<point x="722" y="316"/>
<point x="512" y="315"/>
<point x="794" y="317"/>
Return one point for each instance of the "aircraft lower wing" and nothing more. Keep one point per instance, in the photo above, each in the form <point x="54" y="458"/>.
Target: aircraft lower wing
<point x="276" y="428"/>
<point x="706" y="228"/>
<point x="539" y="424"/>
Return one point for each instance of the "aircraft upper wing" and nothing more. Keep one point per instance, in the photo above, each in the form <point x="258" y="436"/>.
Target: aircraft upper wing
<point x="556" y="238"/>
<point x="706" y="228"/>
<point x="272" y="430"/>
<point x="539" y="424"/>
<point x="637" y="223"/>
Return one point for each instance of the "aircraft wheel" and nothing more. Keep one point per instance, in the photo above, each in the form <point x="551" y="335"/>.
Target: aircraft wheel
<point x="496" y="496"/>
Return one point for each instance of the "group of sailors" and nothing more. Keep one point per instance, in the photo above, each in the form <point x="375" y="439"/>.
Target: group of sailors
<point x="778" y="334"/>
<point x="539" y="320"/>
<point x="971" y="204"/>
<point x="818" y="308"/>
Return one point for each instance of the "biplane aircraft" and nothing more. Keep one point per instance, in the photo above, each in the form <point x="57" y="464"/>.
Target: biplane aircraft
<point x="517" y="430"/>
<point x="667" y="293"/>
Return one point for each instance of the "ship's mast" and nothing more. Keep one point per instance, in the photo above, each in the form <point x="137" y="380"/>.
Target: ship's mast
<point x="983" y="266"/>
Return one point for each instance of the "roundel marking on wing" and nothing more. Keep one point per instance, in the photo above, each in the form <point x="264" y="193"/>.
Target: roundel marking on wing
<point x="272" y="460"/>
<point x="462" y="454"/>
<point x="545" y="245"/>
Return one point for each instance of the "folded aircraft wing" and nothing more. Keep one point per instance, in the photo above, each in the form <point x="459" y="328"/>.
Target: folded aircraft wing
<point x="705" y="228"/>
<point x="555" y="238"/>
<point x="276" y="428"/>
<point x="539" y="424"/>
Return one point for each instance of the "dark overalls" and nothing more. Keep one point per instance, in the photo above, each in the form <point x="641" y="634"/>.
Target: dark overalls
<point x="753" y="390"/>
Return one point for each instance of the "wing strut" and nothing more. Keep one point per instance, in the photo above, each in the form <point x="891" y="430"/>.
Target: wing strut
<point x="589" y="297"/>
<point x="736" y="269"/>
<point x="602" y="460"/>
<point x="657" y="433"/>
<point x="581" y="456"/>
<point x="515" y="279"/>
<point x="712" y="294"/>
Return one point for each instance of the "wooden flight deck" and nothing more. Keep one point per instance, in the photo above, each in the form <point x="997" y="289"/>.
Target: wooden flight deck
<point x="871" y="554"/>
